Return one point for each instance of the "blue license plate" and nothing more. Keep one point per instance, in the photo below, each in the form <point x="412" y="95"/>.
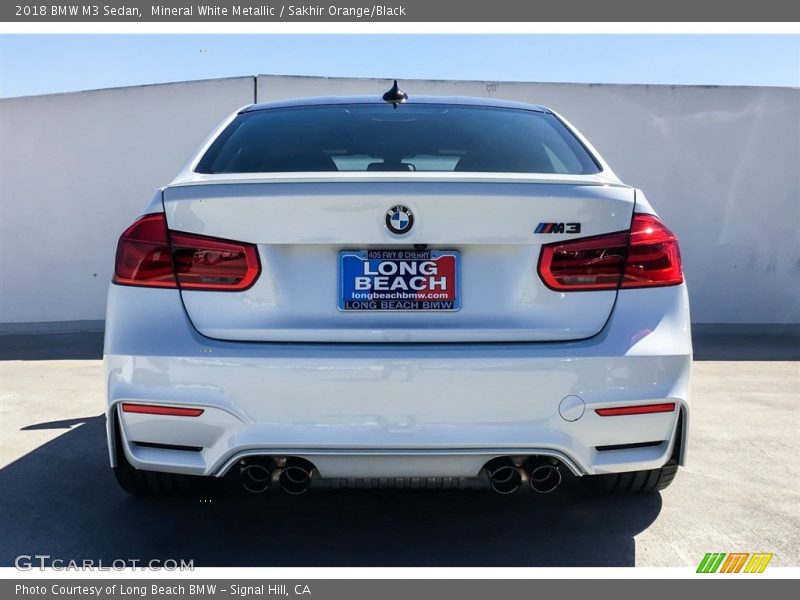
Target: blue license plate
<point x="399" y="280"/>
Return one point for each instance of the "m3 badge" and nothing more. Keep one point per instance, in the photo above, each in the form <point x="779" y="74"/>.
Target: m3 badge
<point x="558" y="228"/>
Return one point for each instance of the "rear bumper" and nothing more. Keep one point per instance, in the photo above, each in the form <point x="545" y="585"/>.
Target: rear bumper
<point x="397" y="410"/>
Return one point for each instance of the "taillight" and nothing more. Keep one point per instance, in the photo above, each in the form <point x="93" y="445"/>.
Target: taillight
<point x="143" y="256"/>
<point x="204" y="263"/>
<point x="654" y="257"/>
<point x="646" y="256"/>
<point x="195" y="262"/>
<point x="594" y="263"/>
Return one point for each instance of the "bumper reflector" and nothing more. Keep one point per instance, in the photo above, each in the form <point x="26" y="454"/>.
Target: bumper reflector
<point x="152" y="409"/>
<point x="642" y="409"/>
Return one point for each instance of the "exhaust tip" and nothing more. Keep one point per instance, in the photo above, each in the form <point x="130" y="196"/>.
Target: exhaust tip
<point x="256" y="478"/>
<point x="504" y="476"/>
<point x="295" y="477"/>
<point x="544" y="476"/>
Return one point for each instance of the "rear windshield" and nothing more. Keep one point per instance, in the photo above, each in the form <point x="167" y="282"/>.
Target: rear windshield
<point x="378" y="137"/>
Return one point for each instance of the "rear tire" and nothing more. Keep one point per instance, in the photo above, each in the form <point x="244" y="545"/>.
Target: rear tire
<point x="643" y="482"/>
<point x="155" y="484"/>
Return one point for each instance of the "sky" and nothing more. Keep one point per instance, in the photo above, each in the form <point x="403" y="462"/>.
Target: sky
<point x="43" y="64"/>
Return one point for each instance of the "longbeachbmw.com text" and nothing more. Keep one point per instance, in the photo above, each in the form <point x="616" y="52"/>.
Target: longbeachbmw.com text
<point x="209" y="11"/>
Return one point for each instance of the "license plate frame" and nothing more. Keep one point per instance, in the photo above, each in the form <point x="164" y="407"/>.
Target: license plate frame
<point x="447" y="265"/>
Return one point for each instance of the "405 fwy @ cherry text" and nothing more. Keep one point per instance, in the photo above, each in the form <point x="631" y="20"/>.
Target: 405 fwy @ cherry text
<point x="159" y="590"/>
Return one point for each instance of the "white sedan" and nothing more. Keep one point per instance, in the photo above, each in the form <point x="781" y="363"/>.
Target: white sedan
<point x="425" y="291"/>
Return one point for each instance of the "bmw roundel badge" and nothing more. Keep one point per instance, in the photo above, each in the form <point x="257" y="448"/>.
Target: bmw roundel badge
<point x="399" y="219"/>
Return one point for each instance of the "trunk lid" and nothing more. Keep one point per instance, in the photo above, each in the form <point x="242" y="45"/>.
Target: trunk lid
<point x="302" y="224"/>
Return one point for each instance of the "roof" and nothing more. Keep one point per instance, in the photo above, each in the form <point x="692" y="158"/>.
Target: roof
<point x="451" y="100"/>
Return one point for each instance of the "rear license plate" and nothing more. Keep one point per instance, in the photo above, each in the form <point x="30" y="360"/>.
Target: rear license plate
<point x="399" y="280"/>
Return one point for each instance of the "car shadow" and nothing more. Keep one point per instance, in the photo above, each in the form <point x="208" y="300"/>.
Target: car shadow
<point x="715" y="344"/>
<point x="52" y="346"/>
<point x="61" y="499"/>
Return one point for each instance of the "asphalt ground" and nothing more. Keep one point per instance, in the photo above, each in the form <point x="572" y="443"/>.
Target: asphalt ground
<point x="740" y="491"/>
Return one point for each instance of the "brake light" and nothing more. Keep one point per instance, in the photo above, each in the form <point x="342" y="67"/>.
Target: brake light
<point x="594" y="263"/>
<point x="149" y="255"/>
<point x="205" y="263"/>
<point x="143" y="256"/>
<point x="654" y="258"/>
<point x="646" y="256"/>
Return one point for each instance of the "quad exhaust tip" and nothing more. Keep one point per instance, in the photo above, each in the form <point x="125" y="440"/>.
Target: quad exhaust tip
<point x="543" y="474"/>
<point x="257" y="473"/>
<point x="295" y="474"/>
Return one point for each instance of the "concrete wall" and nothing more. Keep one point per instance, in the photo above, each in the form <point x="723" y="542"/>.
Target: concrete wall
<point x="75" y="170"/>
<point x="719" y="164"/>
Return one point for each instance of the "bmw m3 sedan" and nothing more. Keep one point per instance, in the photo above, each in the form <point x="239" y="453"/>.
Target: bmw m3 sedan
<point x="429" y="292"/>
